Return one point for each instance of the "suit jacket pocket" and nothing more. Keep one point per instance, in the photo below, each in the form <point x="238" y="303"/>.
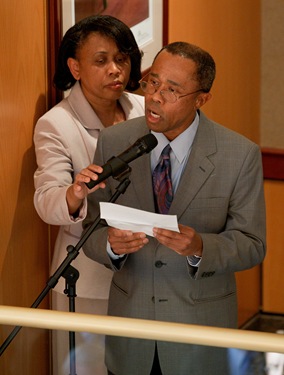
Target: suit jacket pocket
<point x="215" y="288"/>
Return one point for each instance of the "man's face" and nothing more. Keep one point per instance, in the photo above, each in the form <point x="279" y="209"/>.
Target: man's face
<point x="177" y="74"/>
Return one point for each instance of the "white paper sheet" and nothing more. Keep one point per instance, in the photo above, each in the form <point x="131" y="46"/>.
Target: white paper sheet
<point x="122" y="217"/>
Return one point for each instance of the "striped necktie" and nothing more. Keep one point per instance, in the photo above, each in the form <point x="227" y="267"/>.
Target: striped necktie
<point x="162" y="183"/>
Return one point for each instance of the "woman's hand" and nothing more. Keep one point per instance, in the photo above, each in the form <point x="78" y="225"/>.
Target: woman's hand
<point x="76" y="192"/>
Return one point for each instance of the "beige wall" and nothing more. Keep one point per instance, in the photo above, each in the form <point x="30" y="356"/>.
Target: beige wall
<point x="24" y="255"/>
<point x="272" y="74"/>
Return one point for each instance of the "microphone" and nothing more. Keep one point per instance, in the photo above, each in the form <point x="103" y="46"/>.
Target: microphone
<point x="115" y="165"/>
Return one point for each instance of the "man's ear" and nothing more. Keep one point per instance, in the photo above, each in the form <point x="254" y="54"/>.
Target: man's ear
<point x="202" y="99"/>
<point x="73" y="65"/>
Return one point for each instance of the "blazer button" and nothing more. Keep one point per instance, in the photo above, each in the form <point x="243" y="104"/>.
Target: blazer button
<point x="159" y="264"/>
<point x="153" y="299"/>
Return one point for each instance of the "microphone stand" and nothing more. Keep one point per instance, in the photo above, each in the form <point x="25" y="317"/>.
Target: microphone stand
<point x="72" y="252"/>
<point x="71" y="275"/>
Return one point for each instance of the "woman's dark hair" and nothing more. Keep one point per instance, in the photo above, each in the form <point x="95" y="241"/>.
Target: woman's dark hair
<point x="107" y="26"/>
<point x="205" y="64"/>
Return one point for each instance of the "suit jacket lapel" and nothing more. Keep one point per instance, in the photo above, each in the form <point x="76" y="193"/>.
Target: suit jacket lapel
<point x="198" y="168"/>
<point x="141" y="172"/>
<point x="143" y="183"/>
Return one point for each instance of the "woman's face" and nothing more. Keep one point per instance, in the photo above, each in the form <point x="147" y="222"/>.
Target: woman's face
<point x="102" y="69"/>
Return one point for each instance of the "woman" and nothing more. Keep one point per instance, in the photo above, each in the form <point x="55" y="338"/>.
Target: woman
<point x="98" y="59"/>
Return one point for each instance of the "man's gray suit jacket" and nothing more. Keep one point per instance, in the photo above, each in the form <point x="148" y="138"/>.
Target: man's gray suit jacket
<point x="220" y="195"/>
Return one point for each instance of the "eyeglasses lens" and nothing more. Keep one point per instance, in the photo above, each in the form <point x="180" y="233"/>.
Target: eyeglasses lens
<point x="150" y="89"/>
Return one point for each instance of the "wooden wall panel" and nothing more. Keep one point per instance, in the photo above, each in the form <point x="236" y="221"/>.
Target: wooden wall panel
<point x="273" y="276"/>
<point x="24" y="257"/>
<point x="230" y="31"/>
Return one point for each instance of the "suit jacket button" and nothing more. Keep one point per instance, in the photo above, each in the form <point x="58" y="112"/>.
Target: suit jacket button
<point x="158" y="264"/>
<point x="153" y="299"/>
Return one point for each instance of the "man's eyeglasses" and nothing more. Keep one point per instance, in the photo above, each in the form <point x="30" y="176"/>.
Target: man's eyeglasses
<point x="150" y="87"/>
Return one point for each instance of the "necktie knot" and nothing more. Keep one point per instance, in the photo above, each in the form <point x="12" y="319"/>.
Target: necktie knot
<point x="162" y="183"/>
<point x="165" y="154"/>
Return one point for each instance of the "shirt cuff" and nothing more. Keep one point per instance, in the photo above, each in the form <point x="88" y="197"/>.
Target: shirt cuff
<point x="111" y="253"/>
<point x="194" y="260"/>
<point x="81" y="213"/>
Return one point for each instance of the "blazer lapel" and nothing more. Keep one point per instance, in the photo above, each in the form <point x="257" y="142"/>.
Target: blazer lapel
<point x="143" y="183"/>
<point x="141" y="174"/>
<point x="198" y="168"/>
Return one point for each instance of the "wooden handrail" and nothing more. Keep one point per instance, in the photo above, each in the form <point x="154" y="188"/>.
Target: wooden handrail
<point x="143" y="329"/>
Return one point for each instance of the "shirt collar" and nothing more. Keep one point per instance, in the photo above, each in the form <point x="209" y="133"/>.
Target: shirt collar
<point x="181" y="145"/>
<point x="85" y="113"/>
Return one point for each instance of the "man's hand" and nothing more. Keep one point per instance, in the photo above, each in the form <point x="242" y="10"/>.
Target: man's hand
<point x="187" y="243"/>
<point x="125" y="241"/>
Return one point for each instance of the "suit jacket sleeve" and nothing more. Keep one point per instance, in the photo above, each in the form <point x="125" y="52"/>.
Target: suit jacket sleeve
<point x="241" y="243"/>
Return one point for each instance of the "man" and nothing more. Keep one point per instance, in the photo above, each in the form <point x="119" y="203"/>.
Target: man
<point x="216" y="190"/>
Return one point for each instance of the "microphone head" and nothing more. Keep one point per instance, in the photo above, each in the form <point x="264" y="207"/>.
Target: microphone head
<point x="148" y="142"/>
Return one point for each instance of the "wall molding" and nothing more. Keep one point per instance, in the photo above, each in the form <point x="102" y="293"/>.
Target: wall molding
<point x="273" y="163"/>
